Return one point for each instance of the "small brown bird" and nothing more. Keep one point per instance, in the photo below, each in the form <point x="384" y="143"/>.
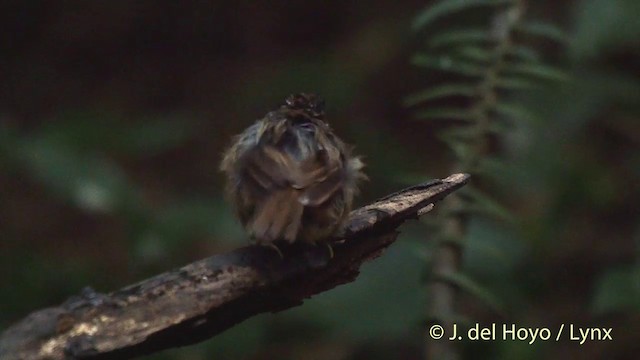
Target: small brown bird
<point x="290" y="177"/>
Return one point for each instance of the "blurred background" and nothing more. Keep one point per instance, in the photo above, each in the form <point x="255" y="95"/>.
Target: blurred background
<point x="114" y="115"/>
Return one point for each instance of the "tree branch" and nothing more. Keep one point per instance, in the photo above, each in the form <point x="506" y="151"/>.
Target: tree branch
<point x="204" y="298"/>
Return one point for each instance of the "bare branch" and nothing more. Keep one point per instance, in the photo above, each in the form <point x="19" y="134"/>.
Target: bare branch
<point x="204" y="298"/>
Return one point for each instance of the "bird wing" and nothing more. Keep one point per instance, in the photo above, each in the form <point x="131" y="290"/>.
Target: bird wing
<point x="316" y="178"/>
<point x="289" y="184"/>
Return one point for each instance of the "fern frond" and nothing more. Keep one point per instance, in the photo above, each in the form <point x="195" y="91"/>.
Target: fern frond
<point x="514" y="112"/>
<point x="484" y="204"/>
<point x="461" y="149"/>
<point x="499" y="127"/>
<point x="523" y="53"/>
<point x="444" y="8"/>
<point x="475" y="53"/>
<point x="515" y="83"/>
<point x="455" y="37"/>
<point x="459" y="133"/>
<point x="468" y="285"/>
<point x="447" y="63"/>
<point x="444" y="114"/>
<point x="540" y="71"/>
<point x="545" y="30"/>
<point x="490" y="167"/>
<point x="439" y="92"/>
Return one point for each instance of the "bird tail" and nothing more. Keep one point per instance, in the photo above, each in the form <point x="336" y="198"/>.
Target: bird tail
<point x="278" y="218"/>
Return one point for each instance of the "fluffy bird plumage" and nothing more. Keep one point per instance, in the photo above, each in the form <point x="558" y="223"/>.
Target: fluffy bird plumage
<point x="290" y="177"/>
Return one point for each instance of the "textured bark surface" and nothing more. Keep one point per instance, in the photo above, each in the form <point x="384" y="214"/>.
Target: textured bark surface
<point x="199" y="300"/>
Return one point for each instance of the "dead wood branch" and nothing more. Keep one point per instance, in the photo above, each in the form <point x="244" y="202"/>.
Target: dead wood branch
<point x="206" y="297"/>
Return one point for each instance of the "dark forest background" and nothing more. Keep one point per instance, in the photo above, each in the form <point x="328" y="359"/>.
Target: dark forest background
<point x="114" y="114"/>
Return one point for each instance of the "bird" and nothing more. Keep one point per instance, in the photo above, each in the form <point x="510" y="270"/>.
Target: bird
<point x="290" y="178"/>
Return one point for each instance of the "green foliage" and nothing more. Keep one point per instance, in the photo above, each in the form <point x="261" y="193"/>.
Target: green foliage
<point x="472" y="287"/>
<point x="88" y="180"/>
<point x="108" y="196"/>
<point x="545" y="30"/>
<point x="113" y="133"/>
<point x="525" y="128"/>
<point x="378" y="305"/>
<point x="510" y="111"/>
<point x="618" y="290"/>
<point x="486" y="65"/>
<point x="499" y="63"/>
<point x="602" y="25"/>
<point x="481" y="203"/>
<point x="538" y="71"/>
<point x="75" y="160"/>
<point x="441" y="91"/>
<point x="447" y="38"/>
<point x="443" y="114"/>
<point x="448" y="64"/>
<point x="444" y="8"/>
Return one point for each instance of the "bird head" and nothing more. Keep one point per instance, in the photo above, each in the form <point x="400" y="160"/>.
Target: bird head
<point x="310" y="104"/>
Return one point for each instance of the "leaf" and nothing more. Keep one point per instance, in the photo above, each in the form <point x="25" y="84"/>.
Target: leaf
<point x="482" y="203"/>
<point x="461" y="149"/>
<point x="470" y="286"/>
<point x="156" y="135"/>
<point x="90" y="181"/>
<point x="459" y="133"/>
<point x="499" y="127"/>
<point x="491" y="167"/>
<point x="514" y="83"/>
<point x="440" y="91"/>
<point x="545" y="30"/>
<point x="420" y="251"/>
<point x="455" y="37"/>
<point x="444" y="114"/>
<point x="618" y="290"/>
<point x="475" y="53"/>
<point x="189" y="218"/>
<point x="446" y="63"/>
<point x="605" y="26"/>
<point x="447" y="7"/>
<point x="523" y="53"/>
<point x="514" y="112"/>
<point x="110" y="132"/>
<point x="443" y="239"/>
<point x="539" y="71"/>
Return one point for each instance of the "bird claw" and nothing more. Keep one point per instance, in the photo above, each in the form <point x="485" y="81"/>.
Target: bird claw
<point x="275" y="248"/>
<point x="331" y="253"/>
